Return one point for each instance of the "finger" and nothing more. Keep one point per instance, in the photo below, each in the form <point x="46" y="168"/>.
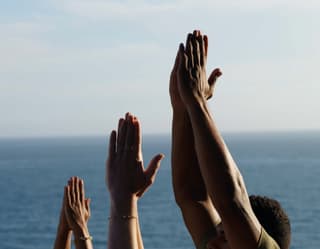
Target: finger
<point x="139" y="169"/>
<point x="122" y="131"/>
<point x="137" y="140"/>
<point x="206" y="42"/>
<point x="202" y="55"/>
<point x="196" y="51"/>
<point x="120" y="124"/>
<point x="112" y="146"/>
<point x="68" y="195"/>
<point x="64" y="200"/>
<point x="216" y="73"/>
<point x="65" y="196"/>
<point x="77" y="189"/>
<point x="81" y="191"/>
<point x="176" y="62"/>
<point x="68" y="204"/>
<point x="130" y="134"/>
<point x="189" y="51"/>
<point x="73" y="190"/>
<point x="153" y="168"/>
<point x="150" y="173"/>
<point x="87" y="205"/>
<point x="70" y="189"/>
<point x="183" y="59"/>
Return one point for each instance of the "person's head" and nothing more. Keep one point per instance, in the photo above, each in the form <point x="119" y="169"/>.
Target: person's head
<point x="270" y="215"/>
<point x="273" y="219"/>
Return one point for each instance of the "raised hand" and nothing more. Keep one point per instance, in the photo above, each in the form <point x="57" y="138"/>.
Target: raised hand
<point x="77" y="207"/>
<point x="176" y="101"/>
<point x="126" y="176"/>
<point x="191" y="76"/>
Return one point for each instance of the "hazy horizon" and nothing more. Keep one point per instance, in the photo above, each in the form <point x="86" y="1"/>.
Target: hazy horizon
<point x="74" y="67"/>
<point x="168" y="134"/>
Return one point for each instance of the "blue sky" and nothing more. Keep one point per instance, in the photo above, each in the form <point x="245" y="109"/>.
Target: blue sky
<point x="74" y="67"/>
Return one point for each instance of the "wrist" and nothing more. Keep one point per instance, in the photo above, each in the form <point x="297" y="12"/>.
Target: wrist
<point x="124" y="207"/>
<point x="63" y="227"/>
<point x="62" y="232"/>
<point x="195" y="106"/>
<point x="81" y="232"/>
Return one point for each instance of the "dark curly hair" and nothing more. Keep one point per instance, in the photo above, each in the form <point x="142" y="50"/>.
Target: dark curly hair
<point x="273" y="219"/>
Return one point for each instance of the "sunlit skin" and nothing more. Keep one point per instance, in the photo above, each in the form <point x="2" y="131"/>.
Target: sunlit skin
<point x="190" y="192"/>
<point x="74" y="216"/>
<point x="225" y="191"/>
<point x="77" y="212"/>
<point x="127" y="180"/>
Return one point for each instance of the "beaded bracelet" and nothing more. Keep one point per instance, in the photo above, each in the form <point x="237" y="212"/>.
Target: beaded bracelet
<point x="86" y="238"/>
<point x="124" y="217"/>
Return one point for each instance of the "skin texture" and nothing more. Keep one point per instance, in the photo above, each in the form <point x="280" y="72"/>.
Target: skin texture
<point x="221" y="177"/>
<point x="127" y="180"/>
<point x="188" y="185"/>
<point x="64" y="232"/>
<point x="77" y="212"/>
<point x="70" y="216"/>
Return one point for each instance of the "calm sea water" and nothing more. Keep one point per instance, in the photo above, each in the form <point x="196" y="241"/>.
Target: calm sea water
<point x="33" y="172"/>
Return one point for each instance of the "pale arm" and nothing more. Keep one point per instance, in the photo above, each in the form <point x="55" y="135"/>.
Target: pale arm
<point x="77" y="211"/>
<point x="64" y="232"/>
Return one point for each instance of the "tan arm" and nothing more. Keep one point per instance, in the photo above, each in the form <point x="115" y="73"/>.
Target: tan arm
<point x="222" y="178"/>
<point x="127" y="180"/>
<point x="191" y="196"/>
<point x="64" y="233"/>
<point x="198" y="212"/>
<point x="77" y="211"/>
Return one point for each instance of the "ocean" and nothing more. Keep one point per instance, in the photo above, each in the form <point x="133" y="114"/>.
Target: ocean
<point x="33" y="172"/>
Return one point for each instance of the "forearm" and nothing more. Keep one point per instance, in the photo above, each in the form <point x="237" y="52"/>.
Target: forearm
<point x="139" y="236"/>
<point x="82" y="238"/>
<point x="123" y="232"/>
<point x="201" y="220"/>
<point x="222" y="178"/>
<point x="223" y="181"/>
<point x="63" y="238"/>
<point x="182" y="156"/>
<point x="198" y="212"/>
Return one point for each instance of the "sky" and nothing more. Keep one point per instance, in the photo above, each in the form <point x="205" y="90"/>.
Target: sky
<point x="73" y="67"/>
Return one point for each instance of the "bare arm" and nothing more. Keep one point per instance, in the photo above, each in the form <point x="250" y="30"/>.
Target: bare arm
<point x="221" y="175"/>
<point x="198" y="212"/>
<point x="77" y="212"/>
<point x="127" y="180"/>
<point x="64" y="232"/>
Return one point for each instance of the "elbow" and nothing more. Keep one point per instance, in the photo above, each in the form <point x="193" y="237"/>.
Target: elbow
<point x="180" y="198"/>
<point x="185" y="196"/>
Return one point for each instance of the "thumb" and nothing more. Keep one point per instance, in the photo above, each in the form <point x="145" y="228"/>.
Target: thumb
<point x="153" y="167"/>
<point x="176" y="62"/>
<point x="151" y="172"/>
<point x="216" y="73"/>
<point x="87" y="205"/>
